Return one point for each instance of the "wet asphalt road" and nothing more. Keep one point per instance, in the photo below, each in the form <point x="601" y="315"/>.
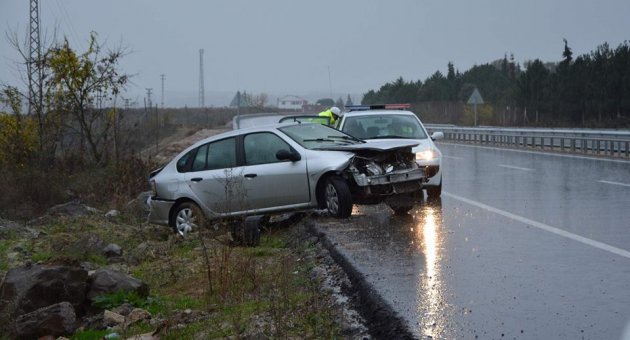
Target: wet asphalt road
<point x="521" y="246"/>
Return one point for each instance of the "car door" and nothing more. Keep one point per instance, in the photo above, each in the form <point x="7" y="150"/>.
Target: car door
<point x="216" y="179"/>
<point x="269" y="182"/>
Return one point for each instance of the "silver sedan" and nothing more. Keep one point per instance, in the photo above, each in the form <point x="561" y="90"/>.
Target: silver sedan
<point x="282" y="167"/>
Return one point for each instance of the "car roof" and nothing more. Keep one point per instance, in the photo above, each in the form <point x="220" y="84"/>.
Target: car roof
<point x="377" y="112"/>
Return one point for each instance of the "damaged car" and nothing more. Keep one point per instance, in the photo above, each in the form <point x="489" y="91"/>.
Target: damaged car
<point x="282" y="167"/>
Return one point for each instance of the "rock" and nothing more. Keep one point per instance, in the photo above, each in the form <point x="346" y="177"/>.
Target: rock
<point x="112" y="214"/>
<point x="137" y="315"/>
<point x="112" y="250"/>
<point x="87" y="244"/>
<point x="56" y="320"/>
<point x="105" y="281"/>
<point x="7" y="228"/>
<point x="71" y="209"/>
<point x="112" y="336"/>
<point x="124" y="309"/>
<point x="148" y="250"/>
<point x="111" y="319"/>
<point x="26" y="289"/>
<point x="144" y="336"/>
<point x="95" y="322"/>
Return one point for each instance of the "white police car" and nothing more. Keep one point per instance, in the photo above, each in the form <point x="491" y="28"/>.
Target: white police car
<point x="393" y="121"/>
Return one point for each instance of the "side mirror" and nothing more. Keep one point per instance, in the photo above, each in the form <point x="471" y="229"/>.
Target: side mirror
<point x="437" y="135"/>
<point x="284" y="154"/>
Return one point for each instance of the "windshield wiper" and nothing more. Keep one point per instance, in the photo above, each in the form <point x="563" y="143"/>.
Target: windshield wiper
<point x="347" y="138"/>
<point x="319" y="140"/>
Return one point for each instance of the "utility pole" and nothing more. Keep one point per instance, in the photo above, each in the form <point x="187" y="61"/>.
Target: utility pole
<point x="34" y="62"/>
<point x="202" y="100"/>
<point x="163" y="77"/>
<point x="149" y="104"/>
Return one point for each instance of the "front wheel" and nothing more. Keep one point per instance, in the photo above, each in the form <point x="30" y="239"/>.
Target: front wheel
<point x="337" y="197"/>
<point x="435" y="192"/>
<point x="185" y="217"/>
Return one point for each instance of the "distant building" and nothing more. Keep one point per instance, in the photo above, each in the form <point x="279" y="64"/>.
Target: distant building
<point x="292" y="103"/>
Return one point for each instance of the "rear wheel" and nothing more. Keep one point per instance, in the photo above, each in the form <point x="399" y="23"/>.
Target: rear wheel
<point x="185" y="218"/>
<point x="337" y="197"/>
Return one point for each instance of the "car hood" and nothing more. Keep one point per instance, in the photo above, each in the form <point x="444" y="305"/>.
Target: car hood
<point x="420" y="144"/>
<point x="372" y="145"/>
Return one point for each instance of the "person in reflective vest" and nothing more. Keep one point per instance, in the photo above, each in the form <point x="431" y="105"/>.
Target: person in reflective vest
<point x="332" y="113"/>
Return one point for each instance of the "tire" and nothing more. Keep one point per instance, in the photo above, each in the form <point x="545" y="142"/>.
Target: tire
<point x="435" y="192"/>
<point x="337" y="197"/>
<point x="184" y="218"/>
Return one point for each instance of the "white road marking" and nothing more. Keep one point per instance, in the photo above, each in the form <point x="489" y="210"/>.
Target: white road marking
<point x="545" y="227"/>
<point x="615" y="183"/>
<point x="515" y="167"/>
<point x="452" y="157"/>
<point x="538" y="152"/>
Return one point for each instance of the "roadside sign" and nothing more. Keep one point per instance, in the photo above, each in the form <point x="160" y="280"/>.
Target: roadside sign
<point x="475" y="98"/>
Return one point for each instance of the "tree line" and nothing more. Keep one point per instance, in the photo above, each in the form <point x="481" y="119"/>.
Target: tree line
<point x="592" y="89"/>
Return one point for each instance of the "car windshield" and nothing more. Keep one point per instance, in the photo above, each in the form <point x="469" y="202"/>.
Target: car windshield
<point x="313" y="136"/>
<point x="384" y="126"/>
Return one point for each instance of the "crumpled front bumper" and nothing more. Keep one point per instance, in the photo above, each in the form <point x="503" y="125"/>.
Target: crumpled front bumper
<point x="400" y="181"/>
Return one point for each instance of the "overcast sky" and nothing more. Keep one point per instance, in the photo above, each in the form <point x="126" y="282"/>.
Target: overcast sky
<point x="292" y="46"/>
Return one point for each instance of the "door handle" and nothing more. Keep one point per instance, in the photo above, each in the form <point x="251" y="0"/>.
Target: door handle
<point x="251" y="175"/>
<point x="196" y="179"/>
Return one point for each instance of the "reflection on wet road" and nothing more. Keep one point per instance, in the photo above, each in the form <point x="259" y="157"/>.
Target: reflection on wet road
<point x="430" y="283"/>
<point x="507" y="253"/>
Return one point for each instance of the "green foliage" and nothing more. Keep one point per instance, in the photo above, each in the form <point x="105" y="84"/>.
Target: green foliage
<point x="41" y="256"/>
<point x="113" y="300"/>
<point x="18" y="134"/>
<point x="5" y="245"/>
<point x="79" y="81"/>
<point x="90" y="334"/>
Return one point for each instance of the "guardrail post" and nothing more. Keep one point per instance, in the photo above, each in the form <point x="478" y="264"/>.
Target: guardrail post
<point x="598" y="147"/>
<point x="610" y="148"/>
<point x="585" y="141"/>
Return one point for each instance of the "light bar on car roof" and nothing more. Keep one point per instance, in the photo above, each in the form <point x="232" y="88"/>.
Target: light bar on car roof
<point x="377" y="107"/>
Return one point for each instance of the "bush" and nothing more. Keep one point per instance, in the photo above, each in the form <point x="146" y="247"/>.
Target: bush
<point x="31" y="191"/>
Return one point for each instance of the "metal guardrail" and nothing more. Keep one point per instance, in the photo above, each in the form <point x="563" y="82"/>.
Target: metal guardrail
<point x="593" y="142"/>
